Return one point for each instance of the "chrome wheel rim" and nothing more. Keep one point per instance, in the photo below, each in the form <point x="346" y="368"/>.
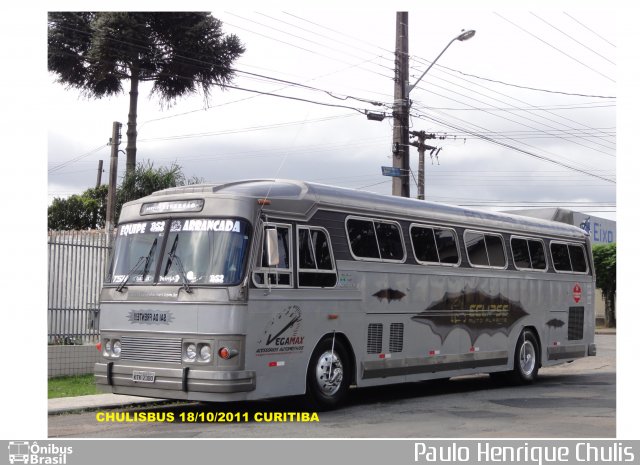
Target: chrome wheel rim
<point x="527" y="358"/>
<point x="329" y="373"/>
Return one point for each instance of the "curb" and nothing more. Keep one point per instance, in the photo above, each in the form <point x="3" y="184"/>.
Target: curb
<point x="606" y="331"/>
<point x="97" y="401"/>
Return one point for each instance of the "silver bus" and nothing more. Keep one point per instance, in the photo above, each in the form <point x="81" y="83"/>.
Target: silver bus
<point x="266" y="288"/>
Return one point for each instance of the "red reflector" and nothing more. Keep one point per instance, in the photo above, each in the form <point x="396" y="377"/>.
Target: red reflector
<point x="332" y="316"/>
<point x="224" y="353"/>
<point x="264" y="202"/>
<point x="99" y="346"/>
<point x="273" y="364"/>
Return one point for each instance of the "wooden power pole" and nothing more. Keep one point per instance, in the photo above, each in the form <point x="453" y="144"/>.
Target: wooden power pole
<point x="113" y="178"/>
<point x="400" y="149"/>
<point x="421" y="136"/>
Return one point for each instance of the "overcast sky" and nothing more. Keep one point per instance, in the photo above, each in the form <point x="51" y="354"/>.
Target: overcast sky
<point x="545" y="147"/>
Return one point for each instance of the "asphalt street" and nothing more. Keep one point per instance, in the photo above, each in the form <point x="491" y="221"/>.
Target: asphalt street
<point x="574" y="400"/>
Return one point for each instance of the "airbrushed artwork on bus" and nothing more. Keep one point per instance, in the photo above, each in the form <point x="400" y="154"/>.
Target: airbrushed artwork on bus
<point x="389" y="295"/>
<point x="555" y="323"/>
<point x="474" y="311"/>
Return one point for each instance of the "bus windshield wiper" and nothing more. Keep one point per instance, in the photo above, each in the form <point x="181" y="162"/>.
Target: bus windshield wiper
<point x="147" y="260"/>
<point x="173" y="256"/>
<point x="185" y="281"/>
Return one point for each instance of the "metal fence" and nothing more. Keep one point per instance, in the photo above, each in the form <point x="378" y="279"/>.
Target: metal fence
<point x="77" y="261"/>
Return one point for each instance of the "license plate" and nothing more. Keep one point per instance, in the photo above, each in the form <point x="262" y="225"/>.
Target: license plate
<point x="144" y="376"/>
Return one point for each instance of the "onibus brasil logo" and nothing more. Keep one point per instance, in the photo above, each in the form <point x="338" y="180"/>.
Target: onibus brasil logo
<point x="33" y="453"/>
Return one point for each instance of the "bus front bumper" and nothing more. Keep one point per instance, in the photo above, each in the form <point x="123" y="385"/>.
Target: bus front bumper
<point x="128" y="378"/>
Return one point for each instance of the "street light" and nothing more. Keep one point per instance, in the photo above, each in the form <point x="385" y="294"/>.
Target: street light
<point x="402" y="102"/>
<point x="465" y="35"/>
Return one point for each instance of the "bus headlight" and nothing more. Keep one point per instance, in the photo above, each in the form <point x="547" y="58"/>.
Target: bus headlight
<point x="107" y="347"/>
<point x="117" y="348"/>
<point x="205" y="352"/>
<point x="190" y="352"/>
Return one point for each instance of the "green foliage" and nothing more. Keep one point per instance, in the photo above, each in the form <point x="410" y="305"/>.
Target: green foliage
<point x="145" y="180"/>
<point x="180" y="52"/>
<point x="88" y="210"/>
<point x="79" y="211"/>
<point x="604" y="259"/>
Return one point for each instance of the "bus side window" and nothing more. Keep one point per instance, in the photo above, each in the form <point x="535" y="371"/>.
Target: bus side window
<point x="560" y="256"/>
<point x="485" y="249"/>
<point x="316" y="266"/>
<point x="281" y="274"/>
<point x="578" y="260"/>
<point x="569" y="257"/>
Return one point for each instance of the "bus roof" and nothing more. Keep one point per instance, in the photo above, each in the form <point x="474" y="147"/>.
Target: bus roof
<point x="302" y="199"/>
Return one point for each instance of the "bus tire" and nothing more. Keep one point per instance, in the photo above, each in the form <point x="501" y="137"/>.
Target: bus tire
<point x="526" y="359"/>
<point x="328" y="375"/>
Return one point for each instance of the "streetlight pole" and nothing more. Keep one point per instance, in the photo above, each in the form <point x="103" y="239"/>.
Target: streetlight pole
<point x="400" y="186"/>
<point x="401" y="103"/>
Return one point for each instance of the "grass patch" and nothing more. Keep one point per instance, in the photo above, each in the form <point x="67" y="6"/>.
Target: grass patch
<point x="72" y="386"/>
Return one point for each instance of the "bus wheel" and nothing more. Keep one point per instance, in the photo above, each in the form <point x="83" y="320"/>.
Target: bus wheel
<point x="329" y="375"/>
<point x="526" y="358"/>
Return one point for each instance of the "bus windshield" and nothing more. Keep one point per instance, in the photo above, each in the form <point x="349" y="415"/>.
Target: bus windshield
<point x="199" y="251"/>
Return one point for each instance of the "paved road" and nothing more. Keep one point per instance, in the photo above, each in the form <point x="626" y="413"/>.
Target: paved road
<point x="570" y="400"/>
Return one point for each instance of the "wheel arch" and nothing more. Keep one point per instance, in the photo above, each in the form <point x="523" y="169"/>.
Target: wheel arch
<point x="535" y="332"/>
<point x="342" y="337"/>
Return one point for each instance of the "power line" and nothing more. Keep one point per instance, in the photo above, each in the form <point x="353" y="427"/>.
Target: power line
<point x="537" y="89"/>
<point x="329" y="38"/>
<point x="589" y="29"/>
<point x="525" y="152"/>
<point x="521" y="102"/>
<point x="528" y="109"/>
<point x="492" y="136"/>
<point x="512" y="120"/>
<point x="79" y="157"/>
<point x="571" y="37"/>
<point x="554" y="47"/>
<point x="242" y="130"/>
<point x="236" y="70"/>
<point x="306" y="49"/>
<point x="519" y="86"/>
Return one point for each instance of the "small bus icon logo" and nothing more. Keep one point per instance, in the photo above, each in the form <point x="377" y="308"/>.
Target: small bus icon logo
<point x="18" y="452"/>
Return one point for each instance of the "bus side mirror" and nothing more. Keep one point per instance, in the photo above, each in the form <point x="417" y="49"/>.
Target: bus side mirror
<point x="271" y="243"/>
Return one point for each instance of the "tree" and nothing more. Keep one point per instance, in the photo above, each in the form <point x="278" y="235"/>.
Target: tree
<point x="81" y="211"/>
<point x="180" y="52"/>
<point x="146" y="179"/>
<point x="88" y="210"/>
<point x="604" y="259"/>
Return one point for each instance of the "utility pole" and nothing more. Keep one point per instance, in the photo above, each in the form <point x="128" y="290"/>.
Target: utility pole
<point x="401" y="102"/>
<point x="94" y="216"/>
<point x="99" y="179"/>
<point x="421" y="136"/>
<point x="113" y="179"/>
<point x="400" y="149"/>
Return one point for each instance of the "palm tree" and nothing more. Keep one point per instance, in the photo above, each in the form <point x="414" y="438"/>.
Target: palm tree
<point x="179" y="52"/>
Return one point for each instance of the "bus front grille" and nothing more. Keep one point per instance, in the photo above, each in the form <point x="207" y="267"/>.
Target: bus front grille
<point x="151" y="349"/>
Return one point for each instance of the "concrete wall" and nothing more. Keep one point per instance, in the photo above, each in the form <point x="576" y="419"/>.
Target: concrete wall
<point x="72" y="360"/>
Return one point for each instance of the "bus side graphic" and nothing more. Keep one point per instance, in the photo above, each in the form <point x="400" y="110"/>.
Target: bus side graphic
<point x="474" y="311"/>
